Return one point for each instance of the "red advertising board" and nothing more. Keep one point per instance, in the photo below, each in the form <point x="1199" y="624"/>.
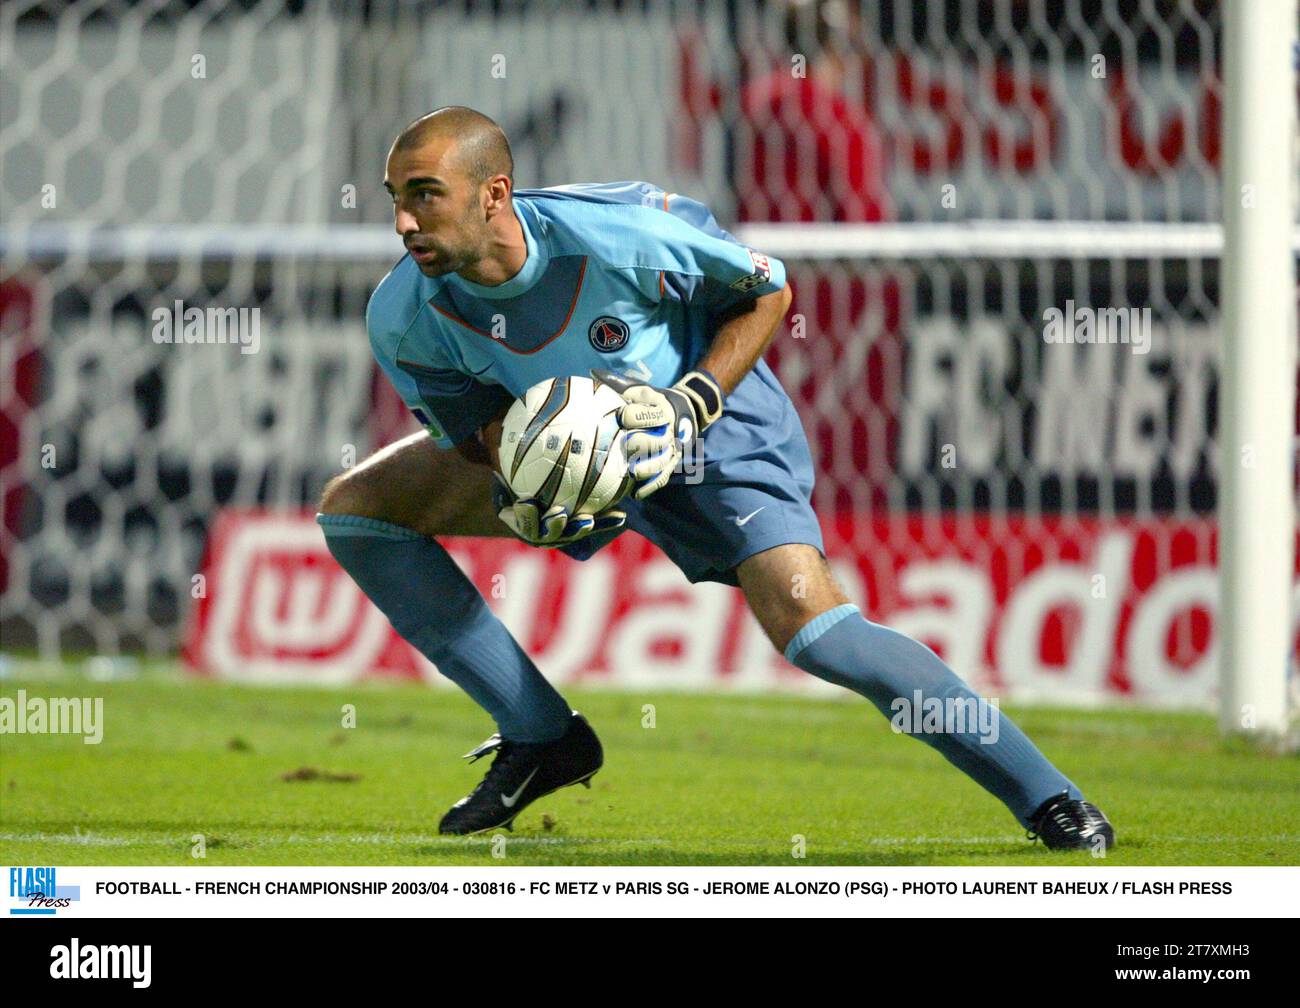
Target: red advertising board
<point x="1066" y="610"/>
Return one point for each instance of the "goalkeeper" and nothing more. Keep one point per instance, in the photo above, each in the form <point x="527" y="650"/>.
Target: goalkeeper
<point x="502" y="289"/>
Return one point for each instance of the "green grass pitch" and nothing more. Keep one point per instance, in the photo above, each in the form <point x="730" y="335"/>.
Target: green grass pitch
<point x="718" y="780"/>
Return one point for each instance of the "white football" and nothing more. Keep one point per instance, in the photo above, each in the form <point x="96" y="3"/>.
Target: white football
<point x="559" y="446"/>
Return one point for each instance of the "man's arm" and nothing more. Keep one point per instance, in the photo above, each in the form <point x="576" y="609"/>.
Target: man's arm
<point x="663" y="423"/>
<point x="744" y="337"/>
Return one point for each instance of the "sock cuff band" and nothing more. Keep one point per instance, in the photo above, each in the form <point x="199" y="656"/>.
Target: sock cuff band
<point x="815" y="627"/>
<point x="355" y="525"/>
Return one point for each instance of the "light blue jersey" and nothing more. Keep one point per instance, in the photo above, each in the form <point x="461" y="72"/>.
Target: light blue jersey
<point x="619" y="275"/>
<point x="626" y="277"/>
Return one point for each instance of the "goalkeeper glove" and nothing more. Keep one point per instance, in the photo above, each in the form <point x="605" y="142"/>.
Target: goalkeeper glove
<point x="551" y="528"/>
<point x="664" y="423"/>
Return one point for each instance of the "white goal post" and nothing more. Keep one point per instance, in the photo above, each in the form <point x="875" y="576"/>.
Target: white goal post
<point x="1257" y="509"/>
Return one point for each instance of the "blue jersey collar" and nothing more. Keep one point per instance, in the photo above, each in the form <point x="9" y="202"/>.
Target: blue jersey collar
<point x="531" y="271"/>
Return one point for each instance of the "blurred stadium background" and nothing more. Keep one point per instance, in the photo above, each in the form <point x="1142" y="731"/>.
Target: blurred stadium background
<point x="937" y="174"/>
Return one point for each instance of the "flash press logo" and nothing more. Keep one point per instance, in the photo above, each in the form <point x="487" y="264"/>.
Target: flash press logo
<point x="37" y="893"/>
<point x="76" y="961"/>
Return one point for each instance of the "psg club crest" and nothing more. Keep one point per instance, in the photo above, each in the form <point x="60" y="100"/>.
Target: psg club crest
<point x="608" y="334"/>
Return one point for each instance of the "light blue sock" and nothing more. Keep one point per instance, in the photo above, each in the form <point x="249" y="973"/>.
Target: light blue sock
<point x="843" y="647"/>
<point x="430" y="602"/>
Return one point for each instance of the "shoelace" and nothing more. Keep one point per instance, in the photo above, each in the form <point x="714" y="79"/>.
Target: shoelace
<point x="507" y="755"/>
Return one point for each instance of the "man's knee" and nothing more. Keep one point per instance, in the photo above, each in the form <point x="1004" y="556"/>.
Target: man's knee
<point x="378" y="487"/>
<point x="344" y="494"/>
<point x="787" y="588"/>
<point x="418" y="486"/>
<point x="782" y="627"/>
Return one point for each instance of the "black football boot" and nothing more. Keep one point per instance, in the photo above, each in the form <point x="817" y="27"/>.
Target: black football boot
<point x="521" y="773"/>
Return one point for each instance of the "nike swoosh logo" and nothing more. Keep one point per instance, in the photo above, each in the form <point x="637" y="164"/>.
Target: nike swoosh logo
<point x="642" y="372"/>
<point x="509" y="800"/>
<point x="742" y="521"/>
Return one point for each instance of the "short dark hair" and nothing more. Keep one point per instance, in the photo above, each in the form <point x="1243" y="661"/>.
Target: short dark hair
<point x="482" y="147"/>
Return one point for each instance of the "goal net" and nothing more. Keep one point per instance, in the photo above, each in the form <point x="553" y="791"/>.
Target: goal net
<point x="1004" y="347"/>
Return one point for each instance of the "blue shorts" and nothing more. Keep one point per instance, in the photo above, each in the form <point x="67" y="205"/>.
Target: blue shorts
<point x="755" y="492"/>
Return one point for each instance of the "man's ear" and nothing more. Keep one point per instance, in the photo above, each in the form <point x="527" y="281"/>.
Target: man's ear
<point x="498" y="191"/>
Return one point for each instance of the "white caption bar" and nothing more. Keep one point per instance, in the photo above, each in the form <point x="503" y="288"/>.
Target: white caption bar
<point x="503" y="890"/>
